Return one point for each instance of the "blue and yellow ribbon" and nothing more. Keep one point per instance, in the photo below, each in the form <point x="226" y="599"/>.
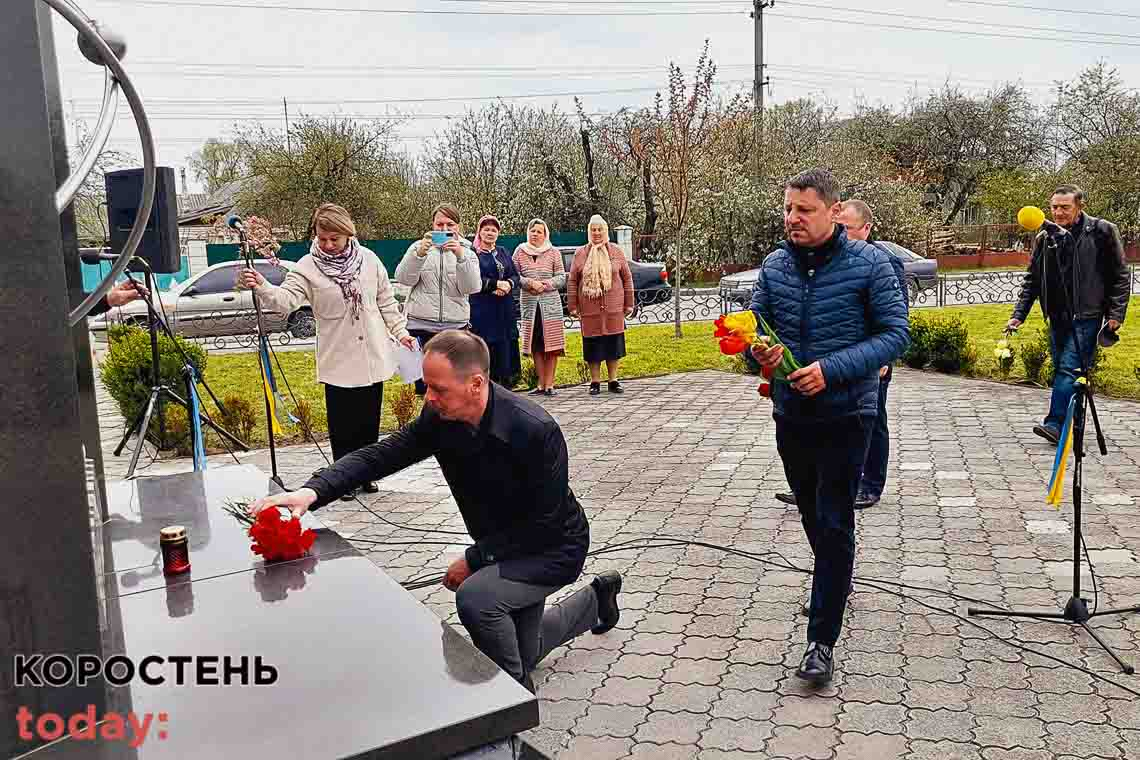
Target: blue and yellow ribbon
<point x="1064" y="449"/>
<point x="277" y="413"/>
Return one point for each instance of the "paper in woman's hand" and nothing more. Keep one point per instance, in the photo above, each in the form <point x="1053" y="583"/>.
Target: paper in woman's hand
<point x="410" y="362"/>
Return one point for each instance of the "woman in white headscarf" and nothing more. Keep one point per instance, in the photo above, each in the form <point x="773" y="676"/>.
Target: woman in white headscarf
<point x="542" y="274"/>
<point x="600" y="291"/>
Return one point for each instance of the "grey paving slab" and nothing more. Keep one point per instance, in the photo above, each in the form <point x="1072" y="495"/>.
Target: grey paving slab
<point x="700" y="665"/>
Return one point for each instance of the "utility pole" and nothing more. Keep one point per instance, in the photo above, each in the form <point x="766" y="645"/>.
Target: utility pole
<point x="288" y="139"/>
<point x="759" y="80"/>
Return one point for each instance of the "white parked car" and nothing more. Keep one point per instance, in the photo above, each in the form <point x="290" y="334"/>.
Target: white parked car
<point x="209" y="305"/>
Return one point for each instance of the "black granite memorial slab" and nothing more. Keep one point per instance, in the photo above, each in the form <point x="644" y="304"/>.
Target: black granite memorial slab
<point x="219" y="543"/>
<point x="363" y="669"/>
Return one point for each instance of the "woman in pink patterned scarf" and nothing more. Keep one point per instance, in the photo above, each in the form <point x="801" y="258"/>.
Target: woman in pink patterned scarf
<point x="359" y="324"/>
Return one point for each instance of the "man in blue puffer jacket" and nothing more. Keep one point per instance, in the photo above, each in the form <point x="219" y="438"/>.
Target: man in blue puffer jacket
<point x="839" y="307"/>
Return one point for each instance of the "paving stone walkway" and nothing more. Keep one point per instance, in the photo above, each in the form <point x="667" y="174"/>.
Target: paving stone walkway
<point x="700" y="665"/>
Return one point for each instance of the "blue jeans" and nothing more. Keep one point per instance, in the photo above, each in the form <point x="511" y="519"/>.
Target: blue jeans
<point x="823" y="463"/>
<point x="1067" y="363"/>
<point x="879" y="449"/>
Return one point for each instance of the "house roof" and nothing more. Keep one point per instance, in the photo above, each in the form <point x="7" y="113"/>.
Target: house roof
<point x="221" y="201"/>
<point x="191" y="201"/>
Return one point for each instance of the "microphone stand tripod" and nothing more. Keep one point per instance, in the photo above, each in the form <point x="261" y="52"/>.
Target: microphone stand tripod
<point x="262" y="354"/>
<point x="1076" y="611"/>
<point x="159" y="391"/>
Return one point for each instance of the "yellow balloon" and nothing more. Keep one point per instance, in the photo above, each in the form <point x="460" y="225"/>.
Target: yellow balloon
<point x="1031" y="218"/>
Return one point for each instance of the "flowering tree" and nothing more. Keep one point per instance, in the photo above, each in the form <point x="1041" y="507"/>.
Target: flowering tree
<point x="258" y="234"/>
<point x="684" y="129"/>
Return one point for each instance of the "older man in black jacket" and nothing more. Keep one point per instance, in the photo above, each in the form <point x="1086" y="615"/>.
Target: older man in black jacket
<point x="506" y="462"/>
<point x="1079" y="275"/>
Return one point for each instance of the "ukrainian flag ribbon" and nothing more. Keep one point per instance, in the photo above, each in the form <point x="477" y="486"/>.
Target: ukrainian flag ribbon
<point x="277" y="413"/>
<point x="1064" y="449"/>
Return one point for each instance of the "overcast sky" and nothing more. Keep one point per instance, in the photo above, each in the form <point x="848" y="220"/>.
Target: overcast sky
<point x="201" y="65"/>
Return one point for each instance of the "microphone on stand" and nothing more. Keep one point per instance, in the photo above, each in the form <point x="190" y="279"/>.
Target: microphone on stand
<point x="93" y="256"/>
<point x="1032" y="219"/>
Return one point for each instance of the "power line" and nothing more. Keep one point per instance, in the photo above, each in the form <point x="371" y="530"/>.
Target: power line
<point x="942" y="20"/>
<point x="1017" y="6"/>
<point x="240" y="69"/>
<point x="444" y="99"/>
<point x="413" y="11"/>
<point x="604" y="2"/>
<point x="992" y="35"/>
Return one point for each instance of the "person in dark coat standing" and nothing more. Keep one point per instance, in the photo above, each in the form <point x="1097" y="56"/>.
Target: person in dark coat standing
<point x="506" y="463"/>
<point x="839" y="308"/>
<point x="1080" y="277"/>
<point x="493" y="307"/>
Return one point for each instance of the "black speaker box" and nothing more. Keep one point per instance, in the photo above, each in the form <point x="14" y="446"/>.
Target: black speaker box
<point x="159" y="245"/>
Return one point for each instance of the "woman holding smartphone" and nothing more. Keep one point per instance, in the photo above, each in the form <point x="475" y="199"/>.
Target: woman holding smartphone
<point x="442" y="270"/>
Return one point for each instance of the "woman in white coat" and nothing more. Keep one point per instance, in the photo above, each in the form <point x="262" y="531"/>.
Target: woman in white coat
<point x="358" y="325"/>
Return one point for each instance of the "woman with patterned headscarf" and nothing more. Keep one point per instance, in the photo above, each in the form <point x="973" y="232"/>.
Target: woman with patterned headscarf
<point x="600" y="291"/>
<point x="358" y="325"/>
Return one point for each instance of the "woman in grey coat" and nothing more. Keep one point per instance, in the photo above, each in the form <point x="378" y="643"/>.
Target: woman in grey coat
<point x="442" y="276"/>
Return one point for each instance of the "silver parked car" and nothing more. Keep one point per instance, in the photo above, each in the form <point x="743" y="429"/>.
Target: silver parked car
<point x="921" y="275"/>
<point x="209" y="305"/>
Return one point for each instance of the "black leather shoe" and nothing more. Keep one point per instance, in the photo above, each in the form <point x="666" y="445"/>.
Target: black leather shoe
<point x="595" y="389"/>
<point x="549" y="393"/>
<point x="817" y="666"/>
<point x="615" y="387"/>
<point x="370" y="487"/>
<point x="606" y="586"/>
<point x="865" y="500"/>
<point x="349" y="496"/>
<point x="787" y="498"/>
<point x="1048" y="433"/>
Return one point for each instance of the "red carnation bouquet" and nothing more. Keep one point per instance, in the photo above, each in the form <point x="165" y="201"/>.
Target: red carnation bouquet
<point x="275" y="537"/>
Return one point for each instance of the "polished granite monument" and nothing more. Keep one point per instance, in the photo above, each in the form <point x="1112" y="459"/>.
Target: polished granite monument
<point x="363" y="669"/>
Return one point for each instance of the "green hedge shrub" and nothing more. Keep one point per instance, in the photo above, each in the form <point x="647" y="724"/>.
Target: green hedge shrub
<point x="126" y="372"/>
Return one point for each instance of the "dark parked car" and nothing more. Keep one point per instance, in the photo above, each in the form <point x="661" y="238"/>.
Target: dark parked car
<point x="921" y="274"/>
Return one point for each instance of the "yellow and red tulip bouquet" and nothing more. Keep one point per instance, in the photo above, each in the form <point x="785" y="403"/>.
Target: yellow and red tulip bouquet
<point x="738" y="332"/>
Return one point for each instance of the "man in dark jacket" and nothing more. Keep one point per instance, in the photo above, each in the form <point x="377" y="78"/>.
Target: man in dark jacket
<point x="838" y="306"/>
<point x="506" y="462"/>
<point x="1080" y="277"/>
<point x="856" y="217"/>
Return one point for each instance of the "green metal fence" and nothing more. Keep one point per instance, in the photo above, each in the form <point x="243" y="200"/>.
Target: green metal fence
<point x="389" y="251"/>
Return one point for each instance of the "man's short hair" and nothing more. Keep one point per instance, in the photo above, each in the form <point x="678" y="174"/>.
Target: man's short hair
<point x="466" y="351"/>
<point x="861" y="209"/>
<point x="820" y="180"/>
<point x="1072" y="190"/>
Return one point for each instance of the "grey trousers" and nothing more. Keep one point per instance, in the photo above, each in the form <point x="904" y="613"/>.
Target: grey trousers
<point x="507" y="621"/>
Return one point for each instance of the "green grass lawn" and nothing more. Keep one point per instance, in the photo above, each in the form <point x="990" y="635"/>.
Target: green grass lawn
<point x="654" y="351"/>
<point x="1118" y="378"/>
